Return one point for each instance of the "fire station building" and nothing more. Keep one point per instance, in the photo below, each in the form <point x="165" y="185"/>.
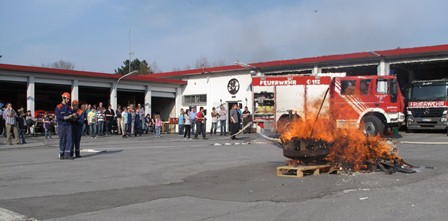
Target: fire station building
<point x="168" y="92"/>
<point x="37" y="88"/>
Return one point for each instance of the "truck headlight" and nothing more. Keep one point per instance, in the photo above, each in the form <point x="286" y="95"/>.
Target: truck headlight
<point x="445" y="112"/>
<point x="409" y="113"/>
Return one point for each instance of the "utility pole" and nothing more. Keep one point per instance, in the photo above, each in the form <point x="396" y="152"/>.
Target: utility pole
<point x="130" y="52"/>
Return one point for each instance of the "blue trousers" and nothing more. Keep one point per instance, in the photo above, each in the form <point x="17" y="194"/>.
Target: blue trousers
<point x="65" y="140"/>
<point x="222" y="123"/>
<point x="100" y="128"/>
<point x="76" y="138"/>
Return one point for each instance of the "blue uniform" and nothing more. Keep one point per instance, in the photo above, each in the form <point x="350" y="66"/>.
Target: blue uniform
<point x="77" y="127"/>
<point x="64" y="129"/>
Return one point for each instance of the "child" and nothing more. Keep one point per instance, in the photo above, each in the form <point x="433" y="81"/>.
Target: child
<point x="22" y="126"/>
<point x="158" y="124"/>
<point x="47" y="125"/>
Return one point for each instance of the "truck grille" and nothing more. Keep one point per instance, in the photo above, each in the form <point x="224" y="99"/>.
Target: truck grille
<point x="427" y="112"/>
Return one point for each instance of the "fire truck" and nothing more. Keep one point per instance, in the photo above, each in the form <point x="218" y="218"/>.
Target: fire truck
<point x="372" y="102"/>
<point x="427" y="105"/>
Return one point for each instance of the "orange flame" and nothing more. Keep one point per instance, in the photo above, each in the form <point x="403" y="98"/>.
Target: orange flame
<point x="350" y="149"/>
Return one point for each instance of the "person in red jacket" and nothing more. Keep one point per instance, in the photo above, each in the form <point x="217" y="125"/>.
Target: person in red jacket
<point x="200" y="123"/>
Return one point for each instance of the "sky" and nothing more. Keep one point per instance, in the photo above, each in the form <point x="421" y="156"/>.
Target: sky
<point x="94" y="34"/>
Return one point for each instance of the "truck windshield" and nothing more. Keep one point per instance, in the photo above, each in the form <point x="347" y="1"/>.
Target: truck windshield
<point x="429" y="92"/>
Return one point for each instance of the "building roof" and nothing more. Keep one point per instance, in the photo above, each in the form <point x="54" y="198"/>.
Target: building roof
<point x="398" y="53"/>
<point x="64" y="72"/>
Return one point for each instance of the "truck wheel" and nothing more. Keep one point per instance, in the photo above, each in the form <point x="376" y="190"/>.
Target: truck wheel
<point x="373" y="126"/>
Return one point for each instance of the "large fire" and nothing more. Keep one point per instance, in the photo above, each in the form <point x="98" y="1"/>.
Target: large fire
<point x="350" y="148"/>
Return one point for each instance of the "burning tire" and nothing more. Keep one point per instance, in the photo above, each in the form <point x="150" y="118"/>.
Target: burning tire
<point x="373" y="126"/>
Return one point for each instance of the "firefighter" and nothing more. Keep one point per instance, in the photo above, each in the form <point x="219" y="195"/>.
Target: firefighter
<point x="77" y="125"/>
<point x="64" y="115"/>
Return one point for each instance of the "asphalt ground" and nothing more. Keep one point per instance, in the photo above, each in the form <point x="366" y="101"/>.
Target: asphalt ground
<point x="169" y="178"/>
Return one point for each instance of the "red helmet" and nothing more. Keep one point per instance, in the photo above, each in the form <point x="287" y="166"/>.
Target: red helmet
<point x="66" y="95"/>
<point x="75" y="102"/>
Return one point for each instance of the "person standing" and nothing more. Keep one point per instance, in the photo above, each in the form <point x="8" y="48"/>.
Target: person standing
<point x="77" y="125"/>
<point x="138" y="123"/>
<point x="158" y="124"/>
<point x="222" y="120"/>
<point x="234" y="121"/>
<point x="64" y="115"/>
<point x="131" y="121"/>
<point x="101" y="117"/>
<point x="21" y="125"/>
<point x="247" y="119"/>
<point x="118" y="114"/>
<point x="29" y="123"/>
<point x="86" y="122"/>
<point x="200" y="124"/>
<point x="141" y="112"/>
<point x="193" y="119"/>
<point x="124" y="122"/>
<point x="9" y="114"/>
<point x="187" y="124"/>
<point x="109" y="113"/>
<point x="215" y="116"/>
<point x="181" y="121"/>
<point x="92" y="120"/>
<point x="240" y="115"/>
<point x="46" y="121"/>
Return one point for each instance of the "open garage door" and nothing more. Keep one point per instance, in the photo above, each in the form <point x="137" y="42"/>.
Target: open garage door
<point x="94" y="95"/>
<point x="163" y="106"/>
<point x="14" y="92"/>
<point x="128" y="97"/>
<point x="49" y="95"/>
<point x="428" y="70"/>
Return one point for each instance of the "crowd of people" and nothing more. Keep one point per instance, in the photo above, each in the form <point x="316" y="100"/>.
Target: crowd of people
<point x="193" y="122"/>
<point x="71" y="121"/>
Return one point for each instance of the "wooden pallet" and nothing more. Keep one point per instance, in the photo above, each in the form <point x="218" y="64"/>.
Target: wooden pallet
<point x="300" y="171"/>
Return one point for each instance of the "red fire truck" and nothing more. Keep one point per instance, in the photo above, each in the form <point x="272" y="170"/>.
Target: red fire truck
<point x="373" y="101"/>
<point x="428" y="105"/>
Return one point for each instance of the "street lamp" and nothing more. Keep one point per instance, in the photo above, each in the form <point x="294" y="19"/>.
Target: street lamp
<point x="114" y="104"/>
<point x="118" y="81"/>
<point x="244" y="65"/>
<point x="256" y="71"/>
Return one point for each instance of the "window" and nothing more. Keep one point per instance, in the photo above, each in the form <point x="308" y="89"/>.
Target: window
<point x="348" y="87"/>
<point x="382" y="86"/>
<point x="365" y="85"/>
<point x="193" y="100"/>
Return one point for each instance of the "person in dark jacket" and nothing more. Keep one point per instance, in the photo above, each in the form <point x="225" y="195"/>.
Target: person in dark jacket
<point x="109" y="119"/>
<point x="77" y="125"/>
<point x="137" y="124"/>
<point x="22" y="126"/>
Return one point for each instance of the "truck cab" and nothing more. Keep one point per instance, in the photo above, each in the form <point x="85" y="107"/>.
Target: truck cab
<point x="427" y="107"/>
<point x="372" y="102"/>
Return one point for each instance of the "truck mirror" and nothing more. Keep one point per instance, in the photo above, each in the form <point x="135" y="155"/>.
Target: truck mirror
<point x="394" y="91"/>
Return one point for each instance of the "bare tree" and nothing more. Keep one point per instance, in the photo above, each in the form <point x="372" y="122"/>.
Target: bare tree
<point x="155" y="67"/>
<point x="202" y="62"/>
<point x="61" y="64"/>
<point x="219" y="62"/>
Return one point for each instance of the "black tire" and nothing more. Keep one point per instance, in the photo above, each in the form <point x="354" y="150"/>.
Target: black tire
<point x="373" y="126"/>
